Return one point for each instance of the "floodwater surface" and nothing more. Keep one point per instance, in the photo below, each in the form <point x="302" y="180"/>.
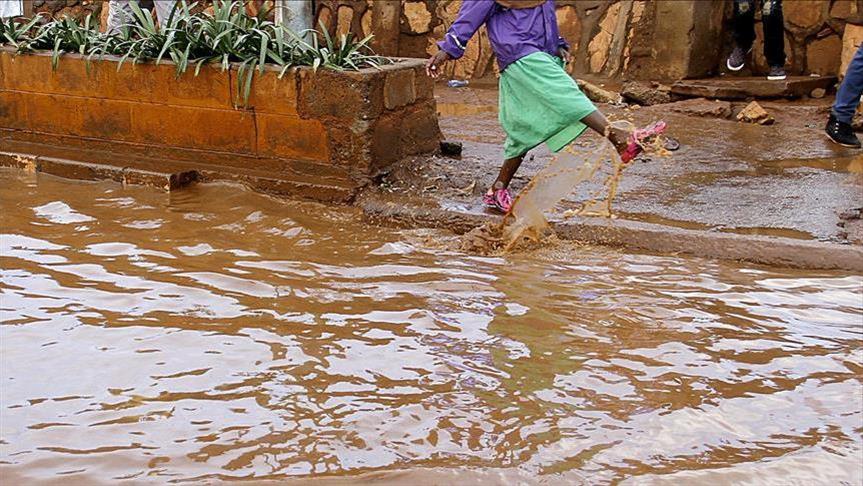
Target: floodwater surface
<point x="215" y="334"/>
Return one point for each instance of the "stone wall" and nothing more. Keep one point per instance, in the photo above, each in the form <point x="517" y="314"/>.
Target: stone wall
<point x="320" y="135"/>
<point x="75" y="8"/>
<point x="620" y="38"/>
<point x="814" y="31"/>
<point x="628" y="38"/>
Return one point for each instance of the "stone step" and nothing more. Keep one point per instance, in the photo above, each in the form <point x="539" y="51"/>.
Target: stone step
<point x="172" y="175"/>
<point x="167" y="179"/>
<point x="734" y="88"/>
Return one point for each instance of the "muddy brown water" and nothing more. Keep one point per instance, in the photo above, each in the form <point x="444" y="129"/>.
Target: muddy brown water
<point x="215" y="334"/>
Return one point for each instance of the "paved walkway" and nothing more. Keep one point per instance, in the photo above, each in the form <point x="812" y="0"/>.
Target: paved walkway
<point x="784" y="180"/>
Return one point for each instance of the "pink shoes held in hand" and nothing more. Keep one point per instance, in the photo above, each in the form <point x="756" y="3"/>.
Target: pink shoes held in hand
<point x="639" y="138"/>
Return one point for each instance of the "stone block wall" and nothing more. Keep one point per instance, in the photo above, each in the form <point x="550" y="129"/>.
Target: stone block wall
<point x="625" y="38"/>
<point x="74" y="8"/>
<point x="310" y="130"/>
<point x="619" y="38"/>
<point x="815" y="31"/>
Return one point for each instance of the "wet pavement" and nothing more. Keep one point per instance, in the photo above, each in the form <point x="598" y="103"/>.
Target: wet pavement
<point x="215" y="334"/>
<point x="781" y="180"/>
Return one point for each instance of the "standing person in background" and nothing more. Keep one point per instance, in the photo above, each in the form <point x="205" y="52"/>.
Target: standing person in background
<point x="847" y="100"/>
<point x="773" y="24"/>
<point x="119" y="12"/>
<point x="11" y="8"/>
<point x="539" y="101"/>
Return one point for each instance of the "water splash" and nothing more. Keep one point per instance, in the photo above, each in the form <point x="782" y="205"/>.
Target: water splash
<point x="526" y="225"/>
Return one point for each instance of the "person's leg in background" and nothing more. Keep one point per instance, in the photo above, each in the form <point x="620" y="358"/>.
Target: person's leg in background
<point x="743" y="31"/>
<point x="773" y="23"/>
<point x="119" y="13"/>
<point x="163" y="9"/>
<point x="847" y="100"/>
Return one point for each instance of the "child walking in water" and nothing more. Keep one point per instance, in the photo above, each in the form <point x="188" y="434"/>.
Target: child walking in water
<point x="539" y="101"/>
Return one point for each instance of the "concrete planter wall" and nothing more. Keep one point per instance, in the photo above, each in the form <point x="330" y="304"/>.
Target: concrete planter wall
<point x="320" y="135"/>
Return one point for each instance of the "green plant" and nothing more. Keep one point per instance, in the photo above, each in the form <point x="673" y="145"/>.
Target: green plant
<point x="225" y="37"/>
<point x="66" y="35"/>
<point x="16" y="33"/>
<point x="346" y="54"/>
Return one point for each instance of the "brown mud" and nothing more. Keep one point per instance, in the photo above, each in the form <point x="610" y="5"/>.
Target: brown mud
<point x="728" y="177"/>
<point x="526" y="227"/>
<point x="214" y="334"/>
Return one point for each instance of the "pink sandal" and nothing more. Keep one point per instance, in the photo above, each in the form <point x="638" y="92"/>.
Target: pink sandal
<point x="638" y="138"/>
<point x="500" y="200"/>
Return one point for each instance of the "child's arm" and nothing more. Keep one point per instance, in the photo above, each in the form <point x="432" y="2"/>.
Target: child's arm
<point x="471" y="16"/>
<point x="563" y="50"/>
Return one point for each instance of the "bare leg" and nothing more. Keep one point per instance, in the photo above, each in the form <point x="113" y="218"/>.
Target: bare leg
<point x="597" y="122"/>
<point x="507" y="171"/>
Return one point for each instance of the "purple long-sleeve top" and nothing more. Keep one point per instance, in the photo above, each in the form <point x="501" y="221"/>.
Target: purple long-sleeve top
<point x="514" y="32"/>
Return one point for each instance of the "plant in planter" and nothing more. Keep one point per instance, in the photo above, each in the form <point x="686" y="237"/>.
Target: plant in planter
<point x="227" y="36"/>
<point x="16" y="33"/>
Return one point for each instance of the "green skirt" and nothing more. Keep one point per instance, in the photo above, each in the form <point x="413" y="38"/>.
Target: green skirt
<point x="540" y="102"/>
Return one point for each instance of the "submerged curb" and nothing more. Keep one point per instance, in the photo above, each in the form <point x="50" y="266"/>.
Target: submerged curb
<point x="765" y="250"/>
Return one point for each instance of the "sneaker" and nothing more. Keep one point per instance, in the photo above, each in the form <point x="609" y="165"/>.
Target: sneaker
<point x="841" y="133"/>
<point x="776" y="73"/>
<point x="500" y="200"/>
<point x="737" y="59"/>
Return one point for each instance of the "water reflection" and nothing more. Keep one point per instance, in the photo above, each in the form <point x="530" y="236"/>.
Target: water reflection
<point x="215" y="333"/>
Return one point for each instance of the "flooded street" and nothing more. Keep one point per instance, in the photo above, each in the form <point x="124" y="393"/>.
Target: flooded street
<point x="214" y="333"/>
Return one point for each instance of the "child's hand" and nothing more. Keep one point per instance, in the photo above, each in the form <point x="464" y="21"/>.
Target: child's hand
<point x="435" y="61"/>
<point x="565" y="55"/>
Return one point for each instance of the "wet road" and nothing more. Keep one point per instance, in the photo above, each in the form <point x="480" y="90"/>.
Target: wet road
<point x="783" y="180"/>
<point x="216" y="333"/>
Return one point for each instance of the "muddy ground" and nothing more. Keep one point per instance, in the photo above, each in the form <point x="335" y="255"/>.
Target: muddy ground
<point x="784" y="180"/>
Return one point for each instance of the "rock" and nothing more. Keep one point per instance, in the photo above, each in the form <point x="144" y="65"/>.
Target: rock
<point x="55" y="5"/>
<point x="646" y="94"/>
<point x="103" y="18"/>
<point x="818" y="93"/>
<point x="702" y="107"/>
<point x="734" y="88"/>
<point x="597" y="94"/>
<point x="803" y="14"/>
<point x="569" y="25"/>
<point x="325" y="17"/>
<point x="366" y="22"/>
<point x="754" y="113"/>
<point x="451" y="149"/>
<point x="851" y="40"/>
<point x="823" y="55"/>
<point x="418" y="17"/>
<point x="345" y="16"/>
<point x="477" y="59"/>
<point x="598" y="48"/>
<point x="843" y="10"/>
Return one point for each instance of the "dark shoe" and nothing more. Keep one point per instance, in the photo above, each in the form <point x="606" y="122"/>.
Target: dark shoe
<point x="841" y="133"/>
<point x="737" y="59"/>
<point x="776" y="73"/>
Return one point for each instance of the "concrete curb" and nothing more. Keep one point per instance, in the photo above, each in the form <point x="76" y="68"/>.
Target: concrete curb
<point x="654" y="238"/>
<point x="73" y="169"/>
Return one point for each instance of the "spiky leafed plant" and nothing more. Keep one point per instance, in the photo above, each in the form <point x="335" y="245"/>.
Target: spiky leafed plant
<point x="16" y="33"/>
<point x="66" y="35"/>
<point x="226" y="36"/>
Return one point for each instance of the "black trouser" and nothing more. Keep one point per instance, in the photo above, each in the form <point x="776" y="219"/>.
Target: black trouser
<point x="774" y="28"/>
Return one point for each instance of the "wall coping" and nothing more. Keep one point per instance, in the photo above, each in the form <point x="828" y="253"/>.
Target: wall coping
<point x="398" y="64"/>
